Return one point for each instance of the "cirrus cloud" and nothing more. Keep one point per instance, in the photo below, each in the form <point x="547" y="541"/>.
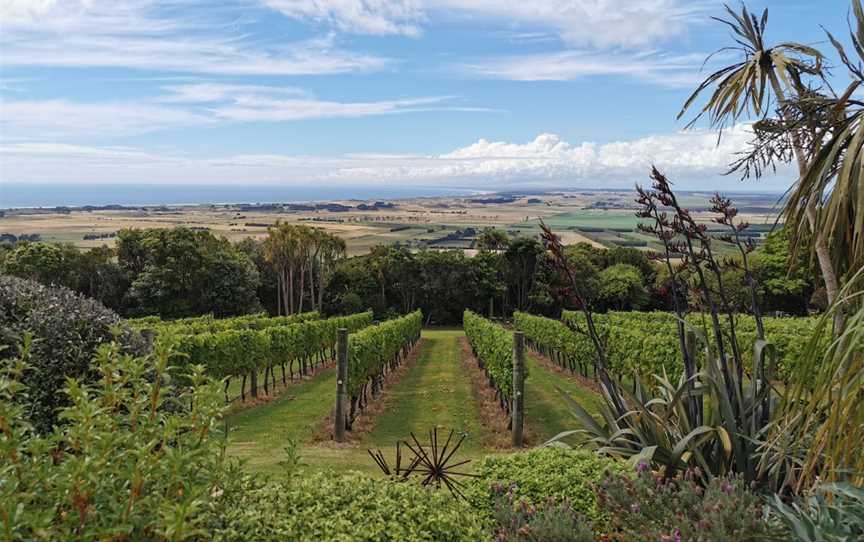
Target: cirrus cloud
<point x="153" y="35"/>
<point x="596" y="23"/>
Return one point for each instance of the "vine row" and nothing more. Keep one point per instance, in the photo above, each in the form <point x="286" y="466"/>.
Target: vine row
<point x="373" y="353"/>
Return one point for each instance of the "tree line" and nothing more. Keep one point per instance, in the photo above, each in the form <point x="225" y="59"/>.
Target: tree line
<point x="518" y="274"/>
<point x="181" y="272"/>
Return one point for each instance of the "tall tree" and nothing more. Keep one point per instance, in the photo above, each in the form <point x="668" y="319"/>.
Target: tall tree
<point x="492" y="239"/>
<point x="186" y="273"/>
<point x="522" y="256"/>
<point x="769" y="84"/>
<point x="332" y="250"/>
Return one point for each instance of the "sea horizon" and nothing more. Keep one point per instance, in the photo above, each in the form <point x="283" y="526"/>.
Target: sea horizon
<point x="49" y="195"/>
<point x="35" y="196"/>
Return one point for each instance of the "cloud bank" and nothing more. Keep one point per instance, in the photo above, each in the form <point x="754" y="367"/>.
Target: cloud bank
<point x="692" y="159"/>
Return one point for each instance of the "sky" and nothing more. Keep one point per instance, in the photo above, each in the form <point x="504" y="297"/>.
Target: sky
<point x="481" y="94"/>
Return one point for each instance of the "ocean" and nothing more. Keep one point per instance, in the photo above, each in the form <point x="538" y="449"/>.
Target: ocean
<point x="76" y="195"/>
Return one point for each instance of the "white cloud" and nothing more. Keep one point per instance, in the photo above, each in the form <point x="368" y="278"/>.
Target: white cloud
<point x="192" y="105"/>
<point x="596" y="23"/>
<point x="691" y="159"/>
<point x="653" y="67"/>
<point x="362" y="16"/>
<point x="50" y="119"/>
<point x="146" y="34"/>
<point x="219" y="92"/>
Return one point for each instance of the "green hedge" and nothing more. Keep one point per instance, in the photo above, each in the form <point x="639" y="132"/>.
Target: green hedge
<point x="208" y="324"/>
<point x="342" y="508"/>
<point x="239" y="352"/>
<point x="648" y="342"/>
<point x="375" y="351"/>
<point x="542" y="474"/>
<point x="493" y="347"/>
<point x="66" y="329"/>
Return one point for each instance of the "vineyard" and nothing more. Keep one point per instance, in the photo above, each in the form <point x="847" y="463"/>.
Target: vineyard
<point x="492" y="345"/>
<point x="253" y="352"/>
<point x="247" y="347"/>
<point x="648" y="343"/>
<point x="376" y="351"/>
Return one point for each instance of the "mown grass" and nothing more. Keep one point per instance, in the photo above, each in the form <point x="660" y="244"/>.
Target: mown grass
<point x="435" y="391"/>
<point x="260" y="434"/>
<point x="546" y="412"/>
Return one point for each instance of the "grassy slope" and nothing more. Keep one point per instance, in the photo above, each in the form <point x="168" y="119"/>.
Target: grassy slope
<point x="434" y="391"/>
<point x="259" y="435"/>
<point x="546" y="413"/>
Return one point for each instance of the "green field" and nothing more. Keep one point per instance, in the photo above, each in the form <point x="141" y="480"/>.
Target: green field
<point x="586" y="218"/>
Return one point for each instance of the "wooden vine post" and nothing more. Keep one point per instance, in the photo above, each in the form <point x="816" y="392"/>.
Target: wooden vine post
<point x="518" y="401"/>
<point x="341" y="383"/>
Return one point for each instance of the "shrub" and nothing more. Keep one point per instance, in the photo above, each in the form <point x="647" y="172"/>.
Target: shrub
<point x="651" y="507"/>
<point x="66" y="329"/>
<point x="548" y="522"/>
<point x="541" y="474"/>
<point x="833" y="513"/>
<point x="341" y="507"/>
<point x="492" y="344"/>
<point x="135" y="460"/>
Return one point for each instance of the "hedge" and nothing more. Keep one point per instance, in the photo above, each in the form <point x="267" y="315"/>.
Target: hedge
<point x="492" y="345"/>
<point x="648" y="342"/>
<point x="66" y="329"/>
<point x="543" y="474"/>
<point x="342" y="508"/>
<point x="375" y="351"/>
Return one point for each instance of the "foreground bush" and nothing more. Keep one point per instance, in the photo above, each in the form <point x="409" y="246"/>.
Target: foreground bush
<point x="833" y="513"/>
<point x="518" y="521"/>
<point x="650" y="507"/>
<point x="66" y="329"/>
<point x="348" y="507"/>
<point x="135" y="459"/>
<point x="537" y="476"/>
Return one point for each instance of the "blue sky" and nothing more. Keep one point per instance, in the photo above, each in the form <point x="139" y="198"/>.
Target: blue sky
<point x="485" y="94"/>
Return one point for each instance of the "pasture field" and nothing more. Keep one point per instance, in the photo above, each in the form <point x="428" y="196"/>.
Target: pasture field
<point x="600" y="218"/>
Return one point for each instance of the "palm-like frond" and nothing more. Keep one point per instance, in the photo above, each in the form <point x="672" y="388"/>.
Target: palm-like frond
<point x="833" y="184"/>
<point x="743" y="90"/>
<point x="824" y="407"/>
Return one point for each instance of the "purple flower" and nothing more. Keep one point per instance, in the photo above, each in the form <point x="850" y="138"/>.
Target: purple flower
<point x="642" y="466"/>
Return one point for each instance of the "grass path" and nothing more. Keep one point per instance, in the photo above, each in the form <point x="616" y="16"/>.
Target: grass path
<point x="434" y="391"/>
<point x="259" y="435"/>
<point x="546" y="413"/>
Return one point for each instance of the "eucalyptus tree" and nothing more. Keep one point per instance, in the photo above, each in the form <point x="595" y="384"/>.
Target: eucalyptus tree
<point x="280" y="249"/>
<point x="329" y="250"/>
